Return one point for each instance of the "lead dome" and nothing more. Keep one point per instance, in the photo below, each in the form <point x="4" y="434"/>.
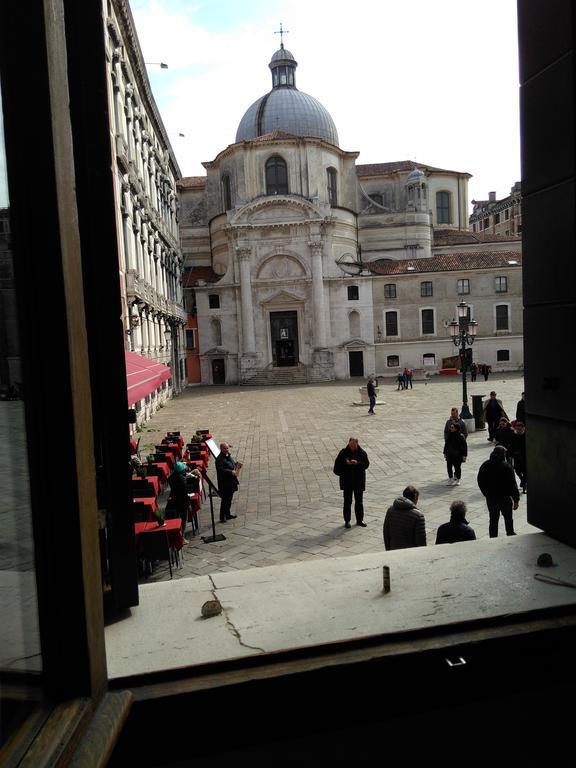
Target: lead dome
<point x="285" y="108"/>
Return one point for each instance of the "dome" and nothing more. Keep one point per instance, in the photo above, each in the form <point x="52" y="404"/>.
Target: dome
<point x="288" y="110"/>
<point x="285" y="108"/>
<point x="415" y="176"/>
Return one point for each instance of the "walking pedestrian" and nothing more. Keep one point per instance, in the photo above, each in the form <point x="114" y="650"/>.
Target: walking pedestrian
<point x="455" y="452"/>
<point x="493" y="410"/>
<point x="400" y="379"/>
<point x="487" y="371"/>
<point x="458" y="529"/>
<point x="404" y="523"/>
<point x="518" y="450"/>
<point x="497" y="483"/>
<point x="408" y="374"/>
<point x="455" y="419"/>
<point x="350" y="466"/>
<point x="371" y="387"/>
<point x="473" y="371"/>
<point x="504" y="435"/>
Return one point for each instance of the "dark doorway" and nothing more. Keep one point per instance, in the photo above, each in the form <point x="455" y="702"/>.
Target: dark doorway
<point x="356" y="363"/>
<point x="284" y="335"/>
<point x="285" y="352"/>
<point x="218" y="371"/>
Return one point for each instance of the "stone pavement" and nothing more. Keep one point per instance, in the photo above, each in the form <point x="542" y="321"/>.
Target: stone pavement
<point x="289" y="506"/>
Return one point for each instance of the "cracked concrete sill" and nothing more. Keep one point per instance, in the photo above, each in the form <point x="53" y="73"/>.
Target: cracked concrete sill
<point x="283" y="607"/>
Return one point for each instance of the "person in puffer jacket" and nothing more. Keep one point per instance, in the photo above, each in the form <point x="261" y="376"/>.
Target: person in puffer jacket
<point x="404" y="523"/>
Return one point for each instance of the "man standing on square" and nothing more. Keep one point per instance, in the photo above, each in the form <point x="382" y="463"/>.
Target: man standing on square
<point x="497" y="482"/>
<point x="371" y="387"/>
<point x="493" y="411"/>
<point x="227" y="471"/>
<point x="350" y="466"/>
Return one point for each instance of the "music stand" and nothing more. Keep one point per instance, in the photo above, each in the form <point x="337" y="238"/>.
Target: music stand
<point x="213" y="447"/>
<point x="213" y="491"/>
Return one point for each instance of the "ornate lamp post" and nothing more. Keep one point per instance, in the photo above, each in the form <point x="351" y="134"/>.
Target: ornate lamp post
<point x="463" y="333"/>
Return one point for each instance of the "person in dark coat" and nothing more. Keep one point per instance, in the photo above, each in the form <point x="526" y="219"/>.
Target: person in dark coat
<point x="404" y="525"/>
<point x="521" y="410"/>
<point x="504" y="435"/>
<point x="473" y="371"/>
<point x="493" y="410"/>
<point x="371" y="387"/>
<point x="227" y="471"/>
<point x="455" y="452"/>
<point x="179" y="499"/>
<point x="518" y="450"/>
<point x="350" y="466"/>
<point x="497" y="482"/>
<point x="455" y="419"/>
<point x="458" y="528"/>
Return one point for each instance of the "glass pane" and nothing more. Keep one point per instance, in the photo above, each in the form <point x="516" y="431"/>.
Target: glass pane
<point x="19" y="634"/>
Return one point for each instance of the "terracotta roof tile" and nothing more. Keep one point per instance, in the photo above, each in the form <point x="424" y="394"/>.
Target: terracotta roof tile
<point x="192" y="182"/>
<point x="382" y="169"/>
<point x="444" y="262"/>
<point x="191" y="276"/>
<point x="462" y="237"/>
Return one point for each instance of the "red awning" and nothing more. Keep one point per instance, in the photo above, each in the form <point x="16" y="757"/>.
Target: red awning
<point x="143" y="376"/>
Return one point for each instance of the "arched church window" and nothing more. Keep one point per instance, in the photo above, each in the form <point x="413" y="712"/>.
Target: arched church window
<point x="216" y="332"/>
<point x="354" y="321"/>
<point x="332" y="186"/>
<point x="226" y="192"/>
<point x="443" y="208"/>
<point x="276" y="176"/>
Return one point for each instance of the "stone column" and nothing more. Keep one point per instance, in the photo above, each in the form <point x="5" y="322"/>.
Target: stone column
<point x="316" y="247"/>
<point x="246" y="299"/>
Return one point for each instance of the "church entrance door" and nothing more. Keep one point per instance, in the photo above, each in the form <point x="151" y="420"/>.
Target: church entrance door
<point x="356" y="360"/>
<point x="284" y="336"/>
<point x="218" y="372"/>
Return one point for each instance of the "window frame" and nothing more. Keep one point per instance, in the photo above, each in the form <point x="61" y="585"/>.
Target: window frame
<point x="214" y="301"/>
<point x="390" y="285"/>
<point x="428" y="291"/>
<point x="428" y="309"/>
<point x="501" y="359"/>
<point x="508" y="317"/>
<point x="332" y="183"/>
<point x="277" y="166"/>
<point x="397" y="314"/>
<point x="463" y="280"/>
<point x="350" y="289"/>
<point x="447" y="207"/>
<point x="497" y="283"/>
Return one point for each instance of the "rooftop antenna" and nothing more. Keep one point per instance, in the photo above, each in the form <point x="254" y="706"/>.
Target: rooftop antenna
<point x="282" y="32"/>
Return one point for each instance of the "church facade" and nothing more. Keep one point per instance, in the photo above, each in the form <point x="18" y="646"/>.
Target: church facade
<point x="302" y="265"/>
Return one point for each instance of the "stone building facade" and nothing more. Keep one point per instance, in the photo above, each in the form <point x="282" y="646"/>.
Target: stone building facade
<point x="498" y="217"/>
<point x="289" y="244"/>
<point x="146" y="174"/>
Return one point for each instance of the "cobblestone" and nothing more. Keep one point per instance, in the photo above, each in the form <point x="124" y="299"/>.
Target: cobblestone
<point x="289" y="506"/>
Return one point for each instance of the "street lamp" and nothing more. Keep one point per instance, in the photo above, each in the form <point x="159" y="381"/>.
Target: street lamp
<point x="463" y="333"/>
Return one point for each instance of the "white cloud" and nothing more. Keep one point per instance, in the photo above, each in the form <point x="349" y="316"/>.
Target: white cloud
<point x="433" y="81"/>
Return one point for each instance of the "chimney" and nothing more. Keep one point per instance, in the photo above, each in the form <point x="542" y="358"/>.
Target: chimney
<point x="491" y="197"/>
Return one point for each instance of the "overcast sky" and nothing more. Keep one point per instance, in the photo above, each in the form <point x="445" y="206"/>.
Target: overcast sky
<point x="435" y="82"/>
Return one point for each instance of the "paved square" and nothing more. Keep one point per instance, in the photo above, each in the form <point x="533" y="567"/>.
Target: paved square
<point x="289" y="505"/>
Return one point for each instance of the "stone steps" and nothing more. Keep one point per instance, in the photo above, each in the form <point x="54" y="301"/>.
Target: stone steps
<point x="271" y="376"/>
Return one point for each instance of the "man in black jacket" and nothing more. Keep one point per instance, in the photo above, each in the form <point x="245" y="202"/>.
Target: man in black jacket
<point x="458" y="528"/>
<point x="404" y="524"/>
<point x="350" y="466"/>
<point x="497" y="482"/>
<point x="227" y="473"/>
